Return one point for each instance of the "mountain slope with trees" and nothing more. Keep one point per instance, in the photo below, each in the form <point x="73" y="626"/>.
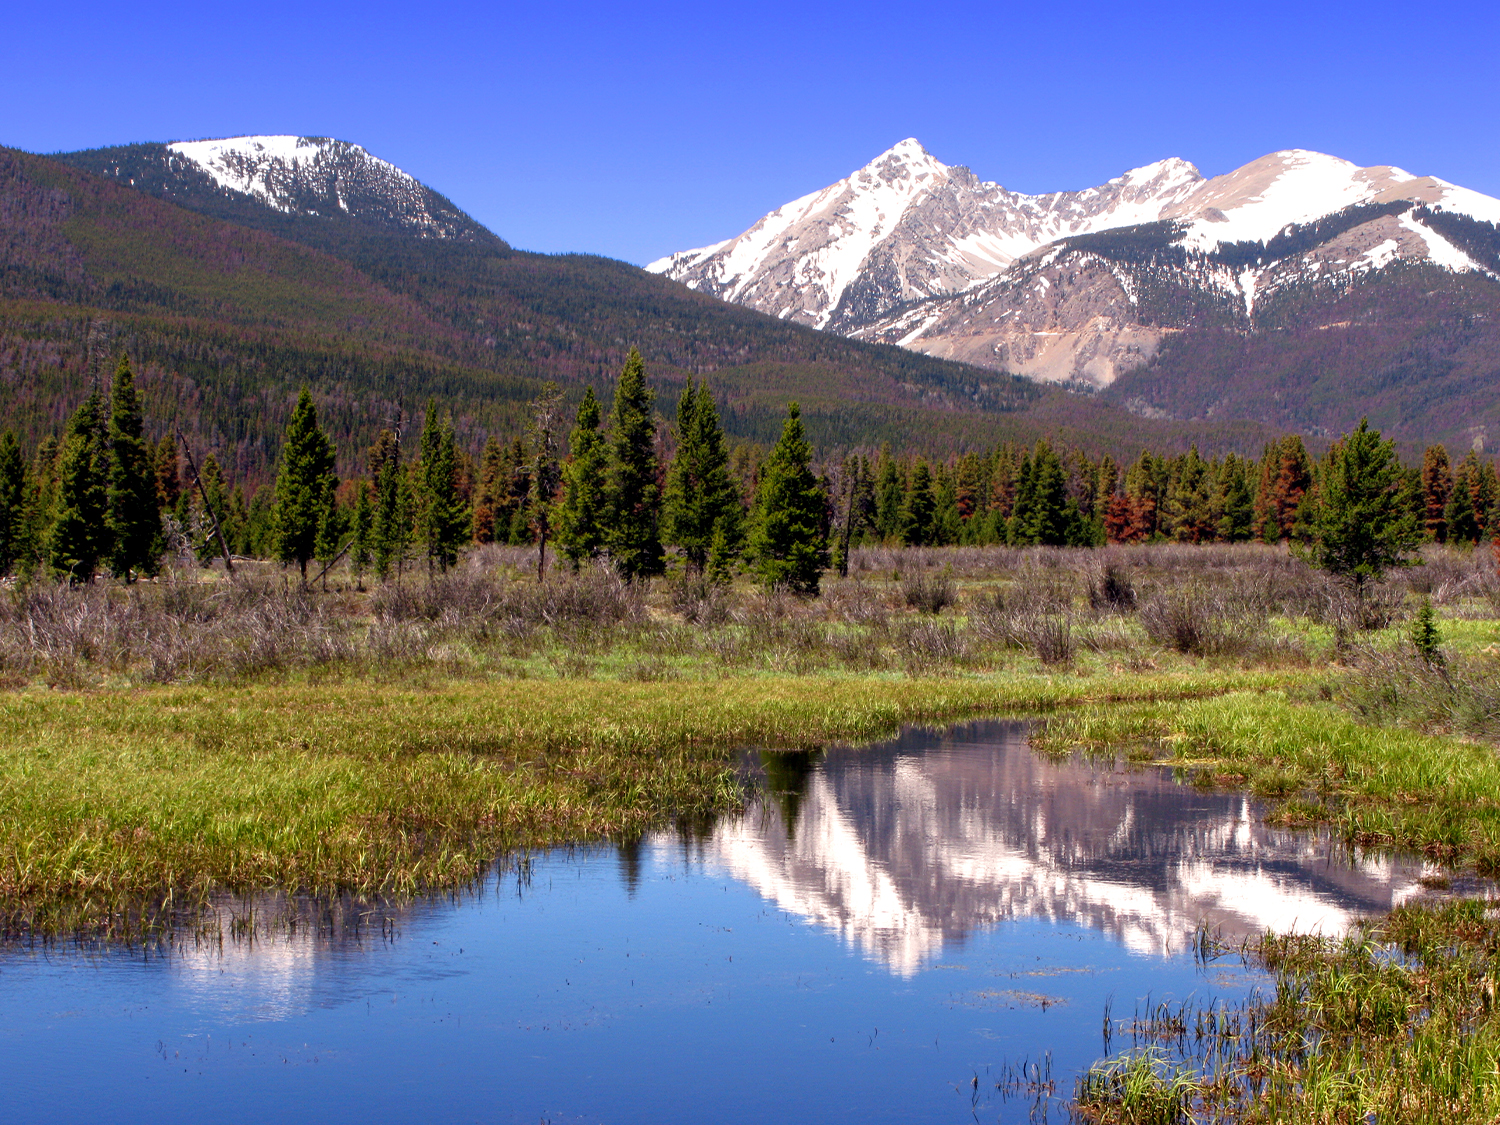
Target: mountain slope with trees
<point x="469" y="320"/>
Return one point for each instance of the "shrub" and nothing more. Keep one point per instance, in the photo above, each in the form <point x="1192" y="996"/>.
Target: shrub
<point x="1052" y="638"/>
<point x="1110" y="590"/>
<point x="1202" y="622"/>
<point x="928" y="593"/>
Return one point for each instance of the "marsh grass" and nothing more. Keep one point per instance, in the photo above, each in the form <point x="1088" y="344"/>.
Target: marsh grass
<point x="115" y="798"/>
<point x="1151" y="607"/>
<point x="207" y="733"/>
<point x="1375" y="786"/>
<point x="1395" y="1022"/>
<point x="1430" y="692"/>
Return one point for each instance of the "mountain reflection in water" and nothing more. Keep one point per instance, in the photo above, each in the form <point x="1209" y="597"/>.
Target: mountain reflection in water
<point x="911" y="845"/>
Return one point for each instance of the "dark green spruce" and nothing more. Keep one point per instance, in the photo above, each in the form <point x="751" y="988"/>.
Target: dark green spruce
<point x="786" y="544"/>
<point x="78" y="539"/>
<point x="701" y="502"/>
<point x="135" y="532"/>
<point x="444" y="518"/>
<point x="14" y="517"/>
<point x="302" y="484"/>
<point x="632" y="499"/>
<point x="580" y="514"/>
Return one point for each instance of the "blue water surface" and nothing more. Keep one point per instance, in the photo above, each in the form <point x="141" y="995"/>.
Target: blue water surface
<point x="894" y="933"/>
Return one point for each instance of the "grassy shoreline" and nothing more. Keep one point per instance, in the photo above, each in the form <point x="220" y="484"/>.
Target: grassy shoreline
<point x="368" y="788"/>
<point x="1394" y="1022"/>
<point x="205" y="733"/>
<point x="1376" y="786"/>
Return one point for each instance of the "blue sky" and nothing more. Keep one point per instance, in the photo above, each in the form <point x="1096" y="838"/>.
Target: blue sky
<point x="635" y="130"/>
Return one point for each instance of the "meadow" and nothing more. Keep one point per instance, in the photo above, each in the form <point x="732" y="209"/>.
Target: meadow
<point x="164" y="741"/>
<point x="167" y="739"/>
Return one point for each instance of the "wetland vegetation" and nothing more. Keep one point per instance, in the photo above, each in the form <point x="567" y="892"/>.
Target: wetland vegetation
<point x="202" y="731"/>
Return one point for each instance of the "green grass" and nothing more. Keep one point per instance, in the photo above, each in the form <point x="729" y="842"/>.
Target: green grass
<point x="110" y="798"/>
<point x="1395" y="1022"/>
<point x="1376" y="786"/>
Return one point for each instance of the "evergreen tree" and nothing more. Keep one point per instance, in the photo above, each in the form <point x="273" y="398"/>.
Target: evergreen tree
<point x="1460" y="520"/>
<point x="1190" y="499"/>
<point x="580" y="514"/>
<point x="1486" y="488"/>
<point x="444" y="521"/>
<point x="235" y="522"/>
<point x="1003" y="483"/>
<point x="79" y="538"/>
<point x="890" y="497"/>
<point x="700" y="503"/>
<point x="41" y="504"/>
<point x="1236" y="501"/>
<point x="392" y="524"/>
<point x="1357" y="524"/>
<point x="489" y="496"/>
<point x="968" y="486"/>
<point x="168" y="478"/>
<point x="302" y="482"/>
<point x="919" y="507"/>
<point x="512" y="517"/>
<point x="1105" y="484"/>
<point x="947" y="523"/>
<point x="786" y="542"/>
<point x="546" y="472"/>
<point x="1146" y="484"/>
<point x="1286" y="476"/>
<point x="14" y="494"/>
<point x="632" y="499"/>
<point x="134" y="507"/>
<point x="1044" y="514"/>
<point x="332" y="526"/>
<point x="259" y="533"/>
<point x="361" y="552"/>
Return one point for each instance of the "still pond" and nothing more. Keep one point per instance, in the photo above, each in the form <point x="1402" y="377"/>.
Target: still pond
<point x="928" y="929"/>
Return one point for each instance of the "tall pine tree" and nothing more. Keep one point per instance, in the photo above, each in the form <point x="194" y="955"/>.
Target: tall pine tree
<point x="134" y="512"/>
<point x="444" y="519"/>
<point x="580" y="513"/>
<point x="1437" y="485"/>
<point x="632" y="498"/>
<point x="393" y="504"/>
<point x="78" y="539"/>
<point x="701" y="502"/>
<point x="302" y="484"/>
<point x="919" y="507"/>
<point x="1460" y="519"/>
<point x="1357" y="524"/>
<point x="14" y="487"/>
<point x="786" y="543"/>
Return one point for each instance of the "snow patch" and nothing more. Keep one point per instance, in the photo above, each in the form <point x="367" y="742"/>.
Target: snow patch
<point x="1439" y="249"/>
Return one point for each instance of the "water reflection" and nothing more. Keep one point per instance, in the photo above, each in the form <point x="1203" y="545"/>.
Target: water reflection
<point x="909" y="846"/>
<point x="660" y="981"/>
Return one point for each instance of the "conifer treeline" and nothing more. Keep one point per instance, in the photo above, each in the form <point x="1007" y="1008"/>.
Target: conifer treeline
<point x="100" y="498"/>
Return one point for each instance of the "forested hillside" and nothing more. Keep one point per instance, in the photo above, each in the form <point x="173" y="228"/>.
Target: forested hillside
<point x="228" y="308"/>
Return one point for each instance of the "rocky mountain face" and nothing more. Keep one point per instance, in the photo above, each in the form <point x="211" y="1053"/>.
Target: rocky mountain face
<point x="297" y="177"/>
<point x="1083" y="287"/>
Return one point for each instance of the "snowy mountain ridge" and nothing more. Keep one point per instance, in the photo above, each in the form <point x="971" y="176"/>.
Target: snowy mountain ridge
<point x="914" y="252"/>
<point x="319" y="176"/>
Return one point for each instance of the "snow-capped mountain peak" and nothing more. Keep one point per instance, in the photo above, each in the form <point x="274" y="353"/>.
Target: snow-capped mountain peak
<point x="250" y="165"/>
<point x="909" y="250"/>
<point x="905" y="227"/>
<point x="322" y="177"/>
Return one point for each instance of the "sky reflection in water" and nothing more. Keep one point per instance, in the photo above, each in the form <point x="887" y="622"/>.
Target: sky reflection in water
<point x="892" y="923"/>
